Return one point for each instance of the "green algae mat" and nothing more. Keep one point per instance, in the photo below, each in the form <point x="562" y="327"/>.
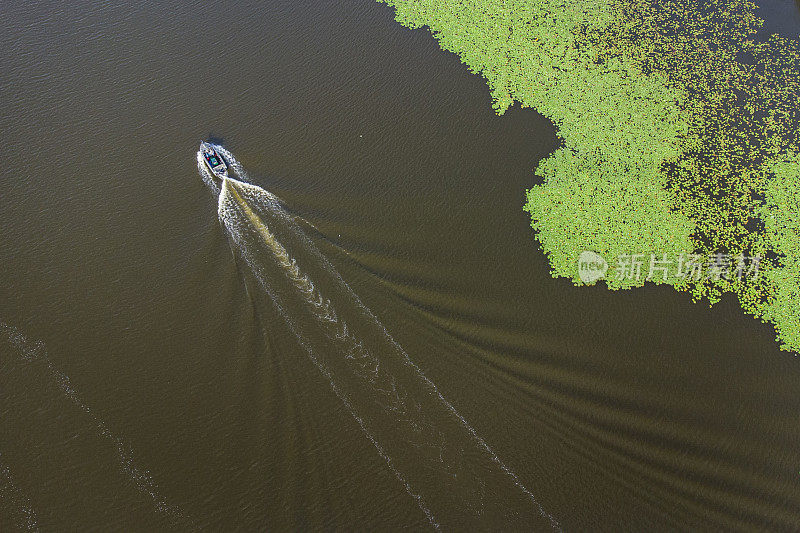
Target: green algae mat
<point x="679" y="148"/>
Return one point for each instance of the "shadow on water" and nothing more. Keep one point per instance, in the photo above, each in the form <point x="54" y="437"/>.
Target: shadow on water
<point x="216" y="139"/>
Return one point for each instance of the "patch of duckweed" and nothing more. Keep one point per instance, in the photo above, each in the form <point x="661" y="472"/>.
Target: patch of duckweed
<point x="781" y="215"/>
<point x="678" y="130"/>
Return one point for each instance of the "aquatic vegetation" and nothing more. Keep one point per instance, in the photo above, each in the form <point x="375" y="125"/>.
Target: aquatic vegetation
<point x="678" y="125"/>
<point x="781" y="215"/>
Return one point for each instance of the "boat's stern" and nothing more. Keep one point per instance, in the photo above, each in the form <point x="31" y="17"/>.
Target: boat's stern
<point x="220" y="171"/>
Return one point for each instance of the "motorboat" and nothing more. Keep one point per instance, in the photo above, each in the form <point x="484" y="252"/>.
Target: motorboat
<point x="214" y="161"/>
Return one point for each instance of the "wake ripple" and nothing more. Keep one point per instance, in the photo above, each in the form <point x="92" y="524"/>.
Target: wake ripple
<point x="34" y="351"/>
<point x="24" y="517"/>
<point x="453" y="475"/>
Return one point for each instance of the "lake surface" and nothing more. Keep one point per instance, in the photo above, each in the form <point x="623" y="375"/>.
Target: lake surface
<point x="158" y="386"/>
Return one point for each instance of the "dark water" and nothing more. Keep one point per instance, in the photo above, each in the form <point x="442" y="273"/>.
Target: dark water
<point x="168" y="391"/>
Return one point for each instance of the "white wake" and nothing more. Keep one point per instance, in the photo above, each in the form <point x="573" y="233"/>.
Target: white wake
<point x="450" y="471"/>
<point x="35" y="352"/>
<point x="23" y="514"/>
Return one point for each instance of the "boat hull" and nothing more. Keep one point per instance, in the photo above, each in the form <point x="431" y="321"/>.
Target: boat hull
<point x="215" y="163"/>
